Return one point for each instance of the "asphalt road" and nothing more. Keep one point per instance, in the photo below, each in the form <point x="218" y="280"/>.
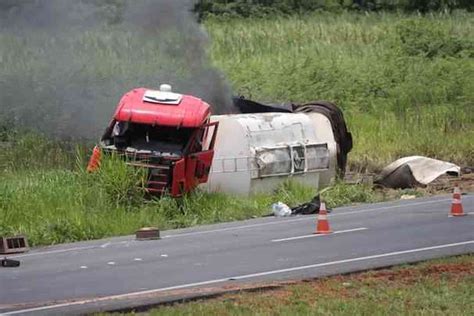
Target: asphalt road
<point x="121" y="272"/>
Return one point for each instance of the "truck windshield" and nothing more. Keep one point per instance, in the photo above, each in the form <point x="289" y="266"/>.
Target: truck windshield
<point x="152" y="138"/>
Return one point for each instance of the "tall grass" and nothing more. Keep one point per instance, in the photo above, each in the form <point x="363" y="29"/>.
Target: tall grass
<point x="405" y="82"/>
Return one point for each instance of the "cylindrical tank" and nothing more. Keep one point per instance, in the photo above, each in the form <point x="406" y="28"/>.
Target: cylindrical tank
<point x="256" y="152"/>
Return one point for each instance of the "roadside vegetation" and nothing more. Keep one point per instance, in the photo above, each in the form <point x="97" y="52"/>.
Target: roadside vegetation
<point x="404" y="81"/>
<point x="436" y="287"/>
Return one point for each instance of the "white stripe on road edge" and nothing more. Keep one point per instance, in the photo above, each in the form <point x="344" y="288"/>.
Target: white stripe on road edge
<point x="319" y="235"/>
<point x="301" y="219"/>
<point x="241" y="277"/>
<point x="52" y="252"/>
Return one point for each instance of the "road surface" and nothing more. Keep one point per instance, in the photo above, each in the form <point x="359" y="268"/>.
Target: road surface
<point x="116" y="273"/>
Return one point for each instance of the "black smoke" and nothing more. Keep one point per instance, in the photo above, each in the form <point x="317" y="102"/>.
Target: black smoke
<point x="64" y="64"/>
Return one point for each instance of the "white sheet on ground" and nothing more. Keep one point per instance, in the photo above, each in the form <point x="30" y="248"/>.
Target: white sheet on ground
<point x="407" y="171"/>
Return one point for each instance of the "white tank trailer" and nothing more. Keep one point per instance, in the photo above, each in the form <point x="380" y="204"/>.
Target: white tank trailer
<point x="257" y="152"/>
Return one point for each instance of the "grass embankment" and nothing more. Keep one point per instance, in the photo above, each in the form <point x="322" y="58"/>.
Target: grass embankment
<point x="405" y="82"/>
<point x="437" y="287"/>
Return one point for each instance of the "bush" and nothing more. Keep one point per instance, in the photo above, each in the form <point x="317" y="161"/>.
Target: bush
<point x="429" y="38"/>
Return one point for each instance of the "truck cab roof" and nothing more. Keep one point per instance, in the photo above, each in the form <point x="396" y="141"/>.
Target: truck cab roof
<point x="164" y="108"/>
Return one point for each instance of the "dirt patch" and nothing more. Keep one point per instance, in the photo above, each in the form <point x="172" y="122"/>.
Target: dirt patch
<point x="445" y="184"/>
<point x="408" y="276"/>
<point x="452" y="270"/>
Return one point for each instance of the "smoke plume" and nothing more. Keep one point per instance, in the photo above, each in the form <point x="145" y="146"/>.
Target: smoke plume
<point x="64" y="64"/>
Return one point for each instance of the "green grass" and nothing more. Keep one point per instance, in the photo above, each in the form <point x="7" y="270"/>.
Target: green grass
<point x="405" y="82"/>
<point x="436" y="287"/>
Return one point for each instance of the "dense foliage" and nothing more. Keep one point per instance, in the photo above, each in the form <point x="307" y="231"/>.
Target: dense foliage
<point x="254" y="8"/>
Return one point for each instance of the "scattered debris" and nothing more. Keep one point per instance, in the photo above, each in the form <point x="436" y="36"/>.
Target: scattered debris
<point x="9" y="263"/>
<point x="14" y="244"/>
<point x="312" y="207"/>
<point x="409" y="172"/>
<point x="148" y="233"/>
<point x="407" y="197"/>
<point x="280" y="209"/>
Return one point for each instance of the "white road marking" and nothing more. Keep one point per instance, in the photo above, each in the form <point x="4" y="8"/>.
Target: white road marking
<point x="105" y="245"/>
<point x="111" y="263"/>
<point x="320" y="235"/>
<point x="41" y="253"/>
<point x="246" y="276"/>
<point x="164" y="255"/>
<point x="83" y="267"/>
<point x="138" y="259"/>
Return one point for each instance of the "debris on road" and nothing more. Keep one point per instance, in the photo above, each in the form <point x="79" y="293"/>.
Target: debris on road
<point x="147" y="233"/>
<point x="9" y="263"/>
<point x="16" y="244"/>
<point x="407" y="197"/>
<point x="413" y="171"/>
<point x="280" y="209"/>
<point x="312" y="207"/>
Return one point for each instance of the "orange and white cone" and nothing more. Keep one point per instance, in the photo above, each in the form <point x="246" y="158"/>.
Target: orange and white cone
<point x="456" y="206"/>
<point x="322" y="226"/>
<point x="94" y="161"/>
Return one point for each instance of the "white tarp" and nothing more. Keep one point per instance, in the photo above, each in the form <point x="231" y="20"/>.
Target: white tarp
<point x="415" y="170"/>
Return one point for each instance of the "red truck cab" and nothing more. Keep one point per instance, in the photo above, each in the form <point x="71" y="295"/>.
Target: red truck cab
<point x="165" y="132"/>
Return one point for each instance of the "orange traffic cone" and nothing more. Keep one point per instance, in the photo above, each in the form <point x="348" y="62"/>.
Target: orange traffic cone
<point x="94" y="162"/>
<point x="456" y="206"/>
<point x="322" y="226"/>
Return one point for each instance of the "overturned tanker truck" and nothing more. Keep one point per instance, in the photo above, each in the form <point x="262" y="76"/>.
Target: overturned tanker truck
<point x="183" y="146"/>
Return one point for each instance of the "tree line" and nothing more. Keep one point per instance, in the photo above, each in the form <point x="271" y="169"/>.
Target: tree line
<point x="247" y="8"/>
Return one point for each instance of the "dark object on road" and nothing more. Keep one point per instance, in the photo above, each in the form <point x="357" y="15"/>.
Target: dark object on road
<point x="311" y="207"/>
<point x="9" y="263"/>
<point x="148" y="233"/>
<point x="14" y="244"/>
<point x="342" y="136"/>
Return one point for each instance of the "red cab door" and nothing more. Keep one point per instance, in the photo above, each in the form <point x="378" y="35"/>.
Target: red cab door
<point x="204" y="158"/>
<point x="178" y="186"/>
<point x="199" y="162"/>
